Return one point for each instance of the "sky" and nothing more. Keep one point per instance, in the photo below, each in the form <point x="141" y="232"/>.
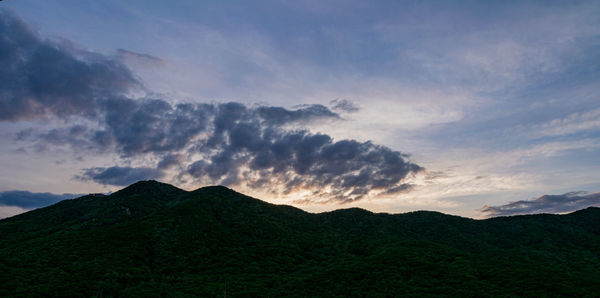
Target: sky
<point x="472" y="108"/>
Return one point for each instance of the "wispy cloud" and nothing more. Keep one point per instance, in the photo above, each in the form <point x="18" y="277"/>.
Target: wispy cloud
<point x="573" y="123"/>
<point x="138" y="58"/>
<point x="344" y="105"/>
<point x="545" y="204"/>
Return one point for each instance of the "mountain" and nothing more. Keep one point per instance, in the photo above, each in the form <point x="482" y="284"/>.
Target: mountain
<point x="153" y="239"/>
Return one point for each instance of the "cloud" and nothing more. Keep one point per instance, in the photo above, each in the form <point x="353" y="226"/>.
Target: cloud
<point x="341" y="171"/>
<point x="344" y="105"/>
<point x="545" y="204"/>
<point x="28" y="200"/>
<point x="140" y="58"/>
<point x="233" y="144"/>
<point x="150" y="125"/>
<point x="278" y="115"/>
<point x="41" y="78"/>
<point x="170" y="161"/>
<point x="574" y="123"/>
<point x="262" y="147"/>
<point x="119" y="176"/>
<point x="139" y="126"/>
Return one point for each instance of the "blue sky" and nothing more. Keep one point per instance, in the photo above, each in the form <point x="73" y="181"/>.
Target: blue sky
<point x="494" y="101"/>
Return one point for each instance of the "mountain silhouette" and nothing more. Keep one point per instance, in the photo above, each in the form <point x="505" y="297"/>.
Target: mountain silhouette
<point x="153" y="239"/>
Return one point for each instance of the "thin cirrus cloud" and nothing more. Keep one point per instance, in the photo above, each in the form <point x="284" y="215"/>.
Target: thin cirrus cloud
<point x="344" y="105"/>
<point x="564" y="203"/>
<point x="218" y="143"/>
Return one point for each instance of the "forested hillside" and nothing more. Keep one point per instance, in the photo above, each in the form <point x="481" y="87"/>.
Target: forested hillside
<point x="153" y="239"/>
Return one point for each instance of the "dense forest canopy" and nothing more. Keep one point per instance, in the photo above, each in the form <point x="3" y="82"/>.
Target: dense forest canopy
<point x="153" y="239"/>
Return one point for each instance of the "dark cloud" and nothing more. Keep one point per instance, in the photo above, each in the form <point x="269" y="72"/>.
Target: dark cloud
<point x="170" y="161"/>
<point x="150" y="125"/>
<point x="40" y="78"/>
<point x="545" y="204"/>
<point x="233" y="144"/>
<point x="119" y="176"/>
<point x="28" y="200"/>
<point x="399" y="189"/>
<point x="134" y="127"/>
<point x="74" y="135"/>
<point x="344" y="105"/>
<point x="225" y="143"/>
<point x="342" y="171"/>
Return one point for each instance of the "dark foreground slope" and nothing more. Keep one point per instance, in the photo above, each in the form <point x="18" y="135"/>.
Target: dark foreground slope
<point x="152" y="239"/>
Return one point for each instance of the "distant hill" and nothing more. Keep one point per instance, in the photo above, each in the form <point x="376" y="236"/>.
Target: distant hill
<point x="153" y="239"/>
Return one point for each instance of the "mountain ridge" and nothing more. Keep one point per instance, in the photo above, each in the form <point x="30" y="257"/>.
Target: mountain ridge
<point x="154" y="239"/>
<point x="145" y="185"/>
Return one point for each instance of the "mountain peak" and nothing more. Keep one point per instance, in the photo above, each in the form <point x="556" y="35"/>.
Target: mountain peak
<point x="223" y="193"/>
<point x="151" y="188"/>
<point x="147" y="183"/>
<point x="216" y="189"/>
